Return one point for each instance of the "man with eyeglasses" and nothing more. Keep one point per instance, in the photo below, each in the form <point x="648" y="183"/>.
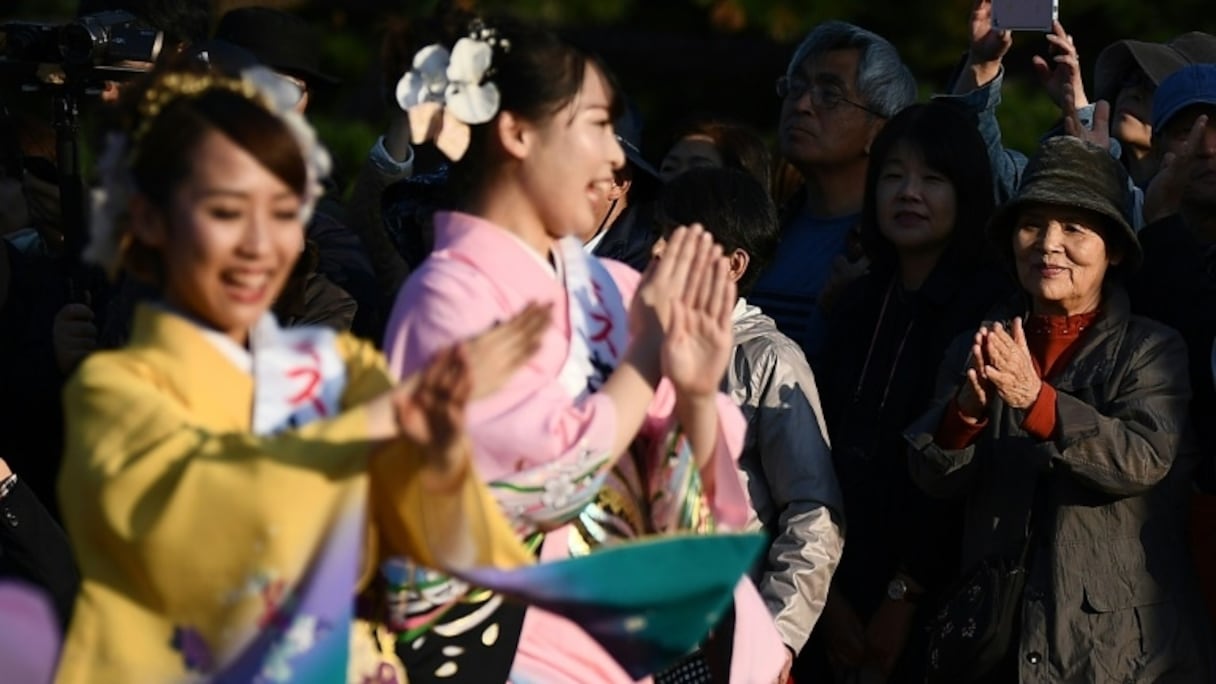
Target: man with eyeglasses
<point x="841" y="86"/>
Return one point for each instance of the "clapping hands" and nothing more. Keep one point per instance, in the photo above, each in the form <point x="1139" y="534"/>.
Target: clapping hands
<point x="1000" y="365"/>
<point x="685" y="302"/>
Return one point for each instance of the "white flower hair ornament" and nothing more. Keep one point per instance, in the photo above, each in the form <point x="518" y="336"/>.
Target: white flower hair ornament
<point x="445" y="93"/>
<point x="111" y="199"/>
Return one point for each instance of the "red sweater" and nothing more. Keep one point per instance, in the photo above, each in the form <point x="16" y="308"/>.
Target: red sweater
<point x="1053" y="341"/>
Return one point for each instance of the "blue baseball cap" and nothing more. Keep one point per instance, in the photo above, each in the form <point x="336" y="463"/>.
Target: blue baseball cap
<point x="1190" y="85"/>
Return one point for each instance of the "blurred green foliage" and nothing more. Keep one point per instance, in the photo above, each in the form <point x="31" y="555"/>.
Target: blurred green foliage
<point x="675" y="57"/>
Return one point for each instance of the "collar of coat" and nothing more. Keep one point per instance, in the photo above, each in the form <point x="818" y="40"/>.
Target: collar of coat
<point x="1114" y="313"/>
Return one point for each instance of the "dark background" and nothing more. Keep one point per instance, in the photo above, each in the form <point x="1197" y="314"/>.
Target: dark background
<point x="679" y="57"/>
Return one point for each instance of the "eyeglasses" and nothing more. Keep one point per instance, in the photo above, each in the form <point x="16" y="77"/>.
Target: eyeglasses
<point x="823" y="97"/>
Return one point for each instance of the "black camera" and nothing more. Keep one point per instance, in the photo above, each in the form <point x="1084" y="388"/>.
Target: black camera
<point x="94" y="40"/>
<point x="109" y="38"/>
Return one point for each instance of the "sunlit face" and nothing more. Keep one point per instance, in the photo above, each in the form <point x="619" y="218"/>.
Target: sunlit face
<point x="1061" y="258"/>
<point x="1131" y="120"/>
<point x="229" y="239"/>
<point x="569" y="171"/>
<point x="916" y="204"/>
<point x="813" y="136"/>
<point x="1201" y="186"/>
<point x="690" y="152"/>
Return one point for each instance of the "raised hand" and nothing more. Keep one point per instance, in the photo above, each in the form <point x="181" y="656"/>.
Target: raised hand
<point x="986" y="50"/>
<point x="1099" y="133"/>
<point x="432" y="417"/>
<point x="1163" y="197"/>
<point x="1063" y="70"/>
<point x="494" y="355"/>
<point x="700" y="338"/>
<point x="987" y="43"/>
<point x="973" y="395"/>
<point x="1010" y="367"/>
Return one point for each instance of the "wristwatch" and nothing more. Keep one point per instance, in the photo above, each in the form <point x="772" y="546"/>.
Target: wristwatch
<point x="898" y="590"/>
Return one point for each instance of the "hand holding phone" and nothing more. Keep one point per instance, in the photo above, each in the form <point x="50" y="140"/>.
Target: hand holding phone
<point x="1060" y="71"/>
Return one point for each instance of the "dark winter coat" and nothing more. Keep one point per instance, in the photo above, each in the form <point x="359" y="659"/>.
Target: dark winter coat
<point x="1110" y="595"/>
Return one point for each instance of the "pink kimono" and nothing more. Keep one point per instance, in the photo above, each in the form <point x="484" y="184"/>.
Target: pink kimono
<point x="543" y="441"/>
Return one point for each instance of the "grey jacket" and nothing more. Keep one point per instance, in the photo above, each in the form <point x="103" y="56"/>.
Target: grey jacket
<point x="787" y="463"/>
<point x="1110" y="595"/>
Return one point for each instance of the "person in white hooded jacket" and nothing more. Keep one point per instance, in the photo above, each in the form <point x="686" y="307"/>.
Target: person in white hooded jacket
<point x="786" y="460"/>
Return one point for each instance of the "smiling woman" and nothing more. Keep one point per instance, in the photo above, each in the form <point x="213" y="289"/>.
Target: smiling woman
<point x="226" y="482"/>
<point x="232" y="228"/>
<point x="1063" y="425"/>
<point x="616" y="429"/>
<point x="927" y="199"/>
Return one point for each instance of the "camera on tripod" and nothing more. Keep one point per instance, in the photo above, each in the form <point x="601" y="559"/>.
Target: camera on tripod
<point x="96" y="47"/>
<point x="70" y="62"/>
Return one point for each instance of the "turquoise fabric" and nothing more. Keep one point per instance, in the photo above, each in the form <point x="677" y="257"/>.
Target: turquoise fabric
<point x="648" y="603"/>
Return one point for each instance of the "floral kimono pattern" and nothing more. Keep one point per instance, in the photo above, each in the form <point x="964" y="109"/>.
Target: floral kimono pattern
<point x="218" y="503"/>
<point x="543" y="444"/>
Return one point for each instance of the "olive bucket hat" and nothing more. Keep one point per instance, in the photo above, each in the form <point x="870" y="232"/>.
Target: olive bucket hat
<point x="1069" y="172"/>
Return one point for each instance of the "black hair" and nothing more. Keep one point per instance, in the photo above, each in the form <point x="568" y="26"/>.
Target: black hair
<point x="732" y="205"/>
<point x="182" y="21"/>
<point x="951" y="144"/>
<point x="537" y="75"/>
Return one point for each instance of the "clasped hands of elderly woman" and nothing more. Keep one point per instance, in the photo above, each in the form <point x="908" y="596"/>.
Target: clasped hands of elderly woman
<point x="1000" y="363"/>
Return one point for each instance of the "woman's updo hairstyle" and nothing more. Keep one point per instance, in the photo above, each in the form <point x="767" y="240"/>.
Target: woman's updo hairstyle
<point x="162" y="121"/>
<point x="175" y="111"/>
<point x="537" y="75"/>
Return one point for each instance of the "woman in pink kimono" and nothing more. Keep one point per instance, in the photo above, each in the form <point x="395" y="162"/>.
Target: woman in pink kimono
<point x="615" y="429"/>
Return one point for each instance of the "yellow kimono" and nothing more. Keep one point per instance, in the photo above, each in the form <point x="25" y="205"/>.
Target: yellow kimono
<point x="206" y="548"/>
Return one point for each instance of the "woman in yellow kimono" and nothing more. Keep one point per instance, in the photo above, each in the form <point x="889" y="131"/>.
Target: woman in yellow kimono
<point x="228" y="484"/>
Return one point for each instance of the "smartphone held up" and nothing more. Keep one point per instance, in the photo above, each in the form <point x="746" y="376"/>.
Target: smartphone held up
<point x="1024" y="15"/>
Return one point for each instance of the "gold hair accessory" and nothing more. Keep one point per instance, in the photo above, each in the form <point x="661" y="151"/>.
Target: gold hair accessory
<point x="177" y="85"/>
<point x="109" y="240"/>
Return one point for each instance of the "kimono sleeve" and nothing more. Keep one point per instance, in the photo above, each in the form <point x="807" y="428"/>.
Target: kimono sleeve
<point x="147" y="484"/>
<point x="453" y="530"/>
<point x="144" y="482"/>
<point x="531" y="421"/>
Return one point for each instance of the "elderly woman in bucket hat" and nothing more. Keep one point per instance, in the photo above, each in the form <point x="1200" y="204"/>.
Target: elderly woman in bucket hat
<point x="1062" y="422"/>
